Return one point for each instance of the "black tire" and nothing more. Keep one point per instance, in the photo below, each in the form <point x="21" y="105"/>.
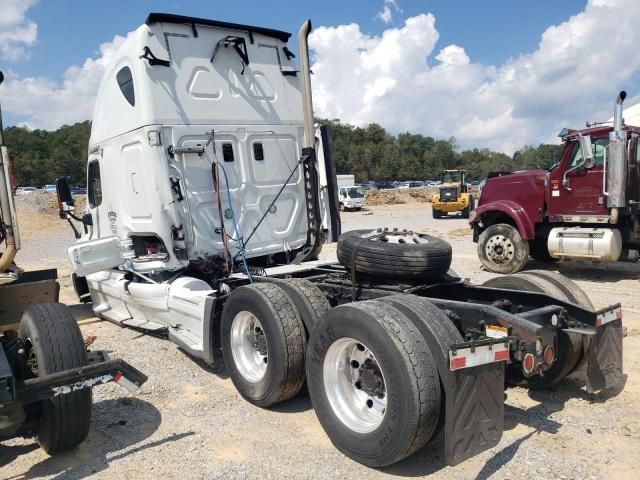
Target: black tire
<point x="430" y="321"/>
<point x="513" y="254"/>
<point x="411" y="381"/>
<point x="308" y="299"/>
<point x="569" y="348"/>
<point x="341" y="207"/>
<point x="54" y="344"/>
<point x="436" y="213"/>
<point x="576" y="295"/>
<point x="396" y="260"/>
<point x="467" y="211"/>
<point x="284" y="337"/>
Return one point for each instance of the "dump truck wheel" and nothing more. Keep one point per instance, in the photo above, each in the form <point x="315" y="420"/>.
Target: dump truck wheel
<point x="308" y="299"/>
<point x="569" y="348"/>
<point x="372" y="382"/>
<point x="403" y="255"/>
<point x="54" y="344"/>
<point x="263" y="343"/>
<point x="502" y="250"/>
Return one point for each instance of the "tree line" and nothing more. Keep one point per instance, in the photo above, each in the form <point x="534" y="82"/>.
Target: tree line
<point x="371" y="153"/>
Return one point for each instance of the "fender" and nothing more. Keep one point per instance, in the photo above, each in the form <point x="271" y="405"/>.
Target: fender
<point x="522" y="218"/>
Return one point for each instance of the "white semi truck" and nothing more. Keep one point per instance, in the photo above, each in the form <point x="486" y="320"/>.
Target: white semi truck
<point x="210" y="196"/>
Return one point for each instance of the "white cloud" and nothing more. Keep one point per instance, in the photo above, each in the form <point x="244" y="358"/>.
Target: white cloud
<point x="43" y="103"/>
<point x="386" y="14"/>
<point x="399" y="80"/>
<point x="17" y="32"/>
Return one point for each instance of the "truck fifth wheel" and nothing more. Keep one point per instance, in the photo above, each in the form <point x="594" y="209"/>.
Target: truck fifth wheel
<point x="210" y="196"/>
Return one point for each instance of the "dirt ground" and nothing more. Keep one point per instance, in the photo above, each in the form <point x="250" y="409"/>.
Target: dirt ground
<point x="189" y="422"/>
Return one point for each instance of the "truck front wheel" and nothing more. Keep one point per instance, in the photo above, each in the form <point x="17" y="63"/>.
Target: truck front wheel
<point x="501" y="249"/>
<point x="53" y="344"/>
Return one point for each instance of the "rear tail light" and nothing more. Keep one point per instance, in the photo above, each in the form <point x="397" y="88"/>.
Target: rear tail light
<point x="528" y="363"/>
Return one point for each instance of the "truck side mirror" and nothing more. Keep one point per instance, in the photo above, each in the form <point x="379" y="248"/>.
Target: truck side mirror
<point x="587" y="151"/>
<point x="65" y="199"/>
<point x="1" y="77"/>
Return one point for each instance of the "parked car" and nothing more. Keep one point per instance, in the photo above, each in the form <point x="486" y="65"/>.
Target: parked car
<point x="25" y="190"/>
<point x="49" y="188"/>
<point x="78" y="191"/>
<point x="416" y="184"/>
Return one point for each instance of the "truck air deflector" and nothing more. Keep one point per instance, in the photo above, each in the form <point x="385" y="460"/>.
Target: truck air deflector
<point x="193" y="21"/>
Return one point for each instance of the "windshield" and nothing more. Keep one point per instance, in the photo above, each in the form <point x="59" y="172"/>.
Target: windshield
<point x="451" y="177"/>
<point x="355" y="192"/>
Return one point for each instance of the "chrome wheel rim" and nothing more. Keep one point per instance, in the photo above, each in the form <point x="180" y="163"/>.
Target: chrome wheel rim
<point x="385" y="235"/>
<point x="249" y="346"/>
<point x="499" y="249"/>
<point x="354" y="384"/>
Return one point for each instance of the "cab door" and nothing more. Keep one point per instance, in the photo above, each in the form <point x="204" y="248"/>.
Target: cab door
<point x="578" y="192"/>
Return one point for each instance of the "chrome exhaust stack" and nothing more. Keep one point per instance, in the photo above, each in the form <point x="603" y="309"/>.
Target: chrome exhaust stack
<point x="305" y="72"/>
<point x="617" y="162"/>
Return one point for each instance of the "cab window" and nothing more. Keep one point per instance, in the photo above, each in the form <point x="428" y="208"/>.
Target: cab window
<point x="598" y="146"/>
<point x="94" y="184"/>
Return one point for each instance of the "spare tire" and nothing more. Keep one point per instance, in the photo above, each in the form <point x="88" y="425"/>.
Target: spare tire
<point x="397" y="254"/>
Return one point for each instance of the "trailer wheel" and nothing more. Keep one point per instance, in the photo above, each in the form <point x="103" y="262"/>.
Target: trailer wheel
<point x="372" y="382"/>
<point x="263" y="343"/>
<point x="397" y="254"/>
<point x="569" y="348"/>
<point x="502" y="250"/>
<point x="54" y="344"/>
<point x="308" y="300"/>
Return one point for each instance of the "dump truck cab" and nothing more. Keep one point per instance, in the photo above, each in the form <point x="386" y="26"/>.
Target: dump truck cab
<point x="453" y="195"/>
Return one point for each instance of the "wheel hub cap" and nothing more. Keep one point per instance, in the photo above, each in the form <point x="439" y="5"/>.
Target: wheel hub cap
<point x="249" y="346"/>
<point x="499" y="249"/>
<point x="355" y="385"/>
<point x="386" y="235"/>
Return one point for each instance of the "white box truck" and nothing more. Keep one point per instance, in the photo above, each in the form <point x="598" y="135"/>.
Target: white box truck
<point x="350" y="196"/>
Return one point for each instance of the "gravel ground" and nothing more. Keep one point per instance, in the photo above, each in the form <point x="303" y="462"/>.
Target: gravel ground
<point x="189" y="421"/>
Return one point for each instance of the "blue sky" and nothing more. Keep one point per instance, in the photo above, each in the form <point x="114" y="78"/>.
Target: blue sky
<point x="490" y="30"/>
<point x="492" y="73"/>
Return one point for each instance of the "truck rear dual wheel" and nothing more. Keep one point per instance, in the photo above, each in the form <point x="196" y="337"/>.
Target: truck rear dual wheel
<point x="263" y="343"/>
<point x="54" y="344"/>
<point x="373" y="382"/>
<point x="501" y="249"/>
<point x="571" y="348"/>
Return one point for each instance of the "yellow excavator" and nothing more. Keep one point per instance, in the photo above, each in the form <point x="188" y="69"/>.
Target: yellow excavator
<point x="453" y="195"/>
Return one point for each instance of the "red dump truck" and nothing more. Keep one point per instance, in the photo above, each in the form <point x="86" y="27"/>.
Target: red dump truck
<point x="585" y="207"/>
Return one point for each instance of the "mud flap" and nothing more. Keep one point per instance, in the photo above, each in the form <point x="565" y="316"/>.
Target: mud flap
<point x="605" y="357"/>
<point x="474" y="418"/>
